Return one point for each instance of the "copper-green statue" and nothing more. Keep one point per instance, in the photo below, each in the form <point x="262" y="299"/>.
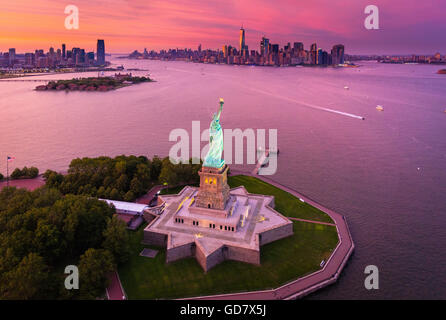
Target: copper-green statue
<point x="214" y="156"/>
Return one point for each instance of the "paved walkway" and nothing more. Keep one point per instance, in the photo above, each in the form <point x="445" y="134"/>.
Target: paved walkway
<point x="145" y="199"/>
<point x="314" y="281"/>
<point x="312" y="221"/>
<point x="115" y="291"/>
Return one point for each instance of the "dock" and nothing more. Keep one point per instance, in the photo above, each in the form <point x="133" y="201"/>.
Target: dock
<point x="263" y="159"/>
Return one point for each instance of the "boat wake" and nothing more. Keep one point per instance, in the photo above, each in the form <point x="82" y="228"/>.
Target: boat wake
<point x="309" y="105"/>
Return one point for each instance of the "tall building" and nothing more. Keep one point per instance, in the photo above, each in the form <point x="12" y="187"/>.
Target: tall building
<point x="29" y="59"/>
<point x="264" y="47"/>
<point x="100" y="54"/>
<point x="64" y="52"/>
<point x="313" y="53"/>
<point x="225" y="51"/>
<point x="275" y="48"/>
<point x="337" y="54"/>
<point x="298" y="48"/>
<point x="74" y="54"/>
<point x="199" y="47"/>
<point x="242" y="39"/>
<point x="11" y="56"/>
<point x="319" y="59"/>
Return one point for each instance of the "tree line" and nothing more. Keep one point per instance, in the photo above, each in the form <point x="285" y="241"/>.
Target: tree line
<point x="42" y="231"/>
<point x="120" y="178"/>
<point x="63" y="223"/>
<point x="25" y="173"/>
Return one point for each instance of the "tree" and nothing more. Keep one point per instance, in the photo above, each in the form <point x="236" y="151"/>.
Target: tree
<point x="39" y="232"/>
<point x="1" y="177"/>
<point x="95" y="265"/>
<point x="136" y="186"/>
<point x="101" y="192"/>
<point x="129" y="196"/>
<point x="33" y="172"/>
<point x="46" y="197"/>
<point x="168" y="175"/>
<point x="47" y="240"/>
<point x="114" y="194"/>
<point x="25" y="173"/>
<point x="157" y="165"/>
<point x="116" y="239"/>
<point x="122" y="183"/>
<point x="26" y="281"/>
<point x="17" y="173"/>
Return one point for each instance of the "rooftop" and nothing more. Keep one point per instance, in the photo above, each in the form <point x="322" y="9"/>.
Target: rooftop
<point x="127" y="206"/>
<point x="253" y="209"/>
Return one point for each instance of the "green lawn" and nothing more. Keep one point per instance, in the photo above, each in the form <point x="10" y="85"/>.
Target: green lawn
<point x="286" y="203"/>
<point x="281" y="261"/>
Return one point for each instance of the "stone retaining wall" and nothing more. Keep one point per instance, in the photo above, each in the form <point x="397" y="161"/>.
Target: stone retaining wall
<point x="185" y="251"/>
<point x="275" y="234"/>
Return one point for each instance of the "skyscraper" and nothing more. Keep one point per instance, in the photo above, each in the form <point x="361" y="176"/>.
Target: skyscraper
<point x="337" y="54"/>
<point x="11" y="56"/>
<point x="100" y="54"/>
<point x="242" y="39"/>
<point x="63" y="51"/>
<point x="313" y="53"/>
<point x="225" y="51"/>
<point x="298" y="47"/>
<point x="264" y="46"/>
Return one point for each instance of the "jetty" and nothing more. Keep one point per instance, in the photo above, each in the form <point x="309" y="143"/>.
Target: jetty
<point x="263" y="156"/>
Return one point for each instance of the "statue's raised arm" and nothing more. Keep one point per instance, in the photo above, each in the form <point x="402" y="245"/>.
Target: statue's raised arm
<point x="220" y="109"/>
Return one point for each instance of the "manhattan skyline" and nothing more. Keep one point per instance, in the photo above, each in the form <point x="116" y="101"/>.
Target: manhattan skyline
<point x="160" y="24"/>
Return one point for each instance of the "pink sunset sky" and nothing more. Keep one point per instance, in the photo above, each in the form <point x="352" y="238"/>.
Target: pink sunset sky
<point x="406" y="27"/>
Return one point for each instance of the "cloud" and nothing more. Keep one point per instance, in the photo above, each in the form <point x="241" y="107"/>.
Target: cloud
<point x="156" y="24"/>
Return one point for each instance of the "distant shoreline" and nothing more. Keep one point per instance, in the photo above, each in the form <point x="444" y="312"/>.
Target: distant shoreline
<point x="96" y="84"/>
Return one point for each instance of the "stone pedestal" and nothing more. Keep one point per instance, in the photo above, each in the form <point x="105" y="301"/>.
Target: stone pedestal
<point x="214" y="188"/>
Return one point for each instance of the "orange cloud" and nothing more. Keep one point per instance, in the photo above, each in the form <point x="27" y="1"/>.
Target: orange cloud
<point x="156" y="24"/>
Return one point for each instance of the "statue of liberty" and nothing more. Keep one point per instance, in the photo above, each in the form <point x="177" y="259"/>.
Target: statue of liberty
<point x="213" y="157"/>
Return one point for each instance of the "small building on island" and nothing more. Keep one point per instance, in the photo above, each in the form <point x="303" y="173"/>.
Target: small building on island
<point x="131" y="213"/>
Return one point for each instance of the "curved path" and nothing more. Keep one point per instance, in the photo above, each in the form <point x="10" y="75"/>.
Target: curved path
<point x="115" y="291"/>
<point x="309" y="283"/>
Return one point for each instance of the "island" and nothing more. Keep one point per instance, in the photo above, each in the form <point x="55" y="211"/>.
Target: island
<point x="102" y="84"/>
<point x="143" y="228"/>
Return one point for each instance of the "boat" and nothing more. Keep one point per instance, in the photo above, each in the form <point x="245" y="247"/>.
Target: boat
<point x="346" y="88"/>
<point x="379" y="108"/>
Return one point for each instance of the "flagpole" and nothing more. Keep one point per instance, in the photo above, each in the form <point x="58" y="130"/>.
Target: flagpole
<point x="7" y="171"/>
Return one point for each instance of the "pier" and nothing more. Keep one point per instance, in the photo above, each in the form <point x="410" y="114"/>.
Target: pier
<point x="263" y="159"/>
